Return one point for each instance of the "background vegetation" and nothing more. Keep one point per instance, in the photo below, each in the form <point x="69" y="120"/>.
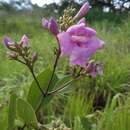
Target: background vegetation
<point x="89" y="104"/>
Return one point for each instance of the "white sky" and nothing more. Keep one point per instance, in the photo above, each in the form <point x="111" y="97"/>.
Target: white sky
<point x="42" y="2"/>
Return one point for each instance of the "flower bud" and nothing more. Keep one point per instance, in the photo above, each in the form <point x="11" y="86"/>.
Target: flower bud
<point x="83" y="20"/>
<point x="53" y="27"/>
<point x="12" y="55"/>
<point x="7" y="41"/>
<point x="83" y="11"/>
<point x="34" y="57"/>
<point x="45" y="23"/>
<point x="9" y="44"/>
<point x="24" y="41"/>
<point x="99" y="69"/>
<point x="93" y="69"/>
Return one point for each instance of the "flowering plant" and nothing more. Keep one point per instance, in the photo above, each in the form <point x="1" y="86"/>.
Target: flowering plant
<point x="77" y="42"/>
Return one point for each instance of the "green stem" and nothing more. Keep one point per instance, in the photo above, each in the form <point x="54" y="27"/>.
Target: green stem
<point x="37" y="82"/>
<point x="55" y="65"/>
<point x="53" y="72"/>
<point x="30" y="67"/>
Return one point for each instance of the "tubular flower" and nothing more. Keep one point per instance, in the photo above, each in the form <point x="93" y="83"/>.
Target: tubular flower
<point x="79" y="43"/>
<point x="51" y="25"/>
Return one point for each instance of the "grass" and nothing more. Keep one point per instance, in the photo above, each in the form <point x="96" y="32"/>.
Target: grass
<point x="109" y="93"/>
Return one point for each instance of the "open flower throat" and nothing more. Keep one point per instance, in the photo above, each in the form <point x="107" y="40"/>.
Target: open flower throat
<point x="79" y="43"/>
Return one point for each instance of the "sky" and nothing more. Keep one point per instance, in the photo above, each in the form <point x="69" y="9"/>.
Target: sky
<point x="42" y="2"/>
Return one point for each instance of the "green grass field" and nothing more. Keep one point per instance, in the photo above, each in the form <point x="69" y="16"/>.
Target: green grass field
<point x="100" y="104"/>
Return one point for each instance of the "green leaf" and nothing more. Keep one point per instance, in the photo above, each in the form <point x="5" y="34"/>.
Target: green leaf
<point x="60" y="82"/>
<point x="26" y="112"/>
<point x="63" y="81"/>
<point x="34" y="96"/>
<point x="12" y="112"/>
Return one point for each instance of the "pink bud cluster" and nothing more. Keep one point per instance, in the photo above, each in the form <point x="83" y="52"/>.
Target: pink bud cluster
<point x="20" y="50"/>
<point x="10" y="44"/>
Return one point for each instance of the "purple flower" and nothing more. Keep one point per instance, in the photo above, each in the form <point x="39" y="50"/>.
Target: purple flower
<point x="51" y="25"/>
<point x="24" y="41"/>
<point x="83" y="11"/>
<point x="7" y="41"/>
<point x="79" y="43"/>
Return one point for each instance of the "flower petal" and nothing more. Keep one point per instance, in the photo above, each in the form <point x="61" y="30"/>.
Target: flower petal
<point x="79" y="56"/>
<point x="89" y="32"/>
<point x="94" y="44"/>
<point x="79" y="39"/>
<point x="74" y="30"/>
<point x="66" y="43"/>
<point x="81" y="30"/>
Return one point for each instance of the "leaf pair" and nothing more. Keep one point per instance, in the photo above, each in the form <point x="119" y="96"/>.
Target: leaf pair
<point x="35" y="97"/>
<point x="22" y="109"/>
<point x="25" y="110"/>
